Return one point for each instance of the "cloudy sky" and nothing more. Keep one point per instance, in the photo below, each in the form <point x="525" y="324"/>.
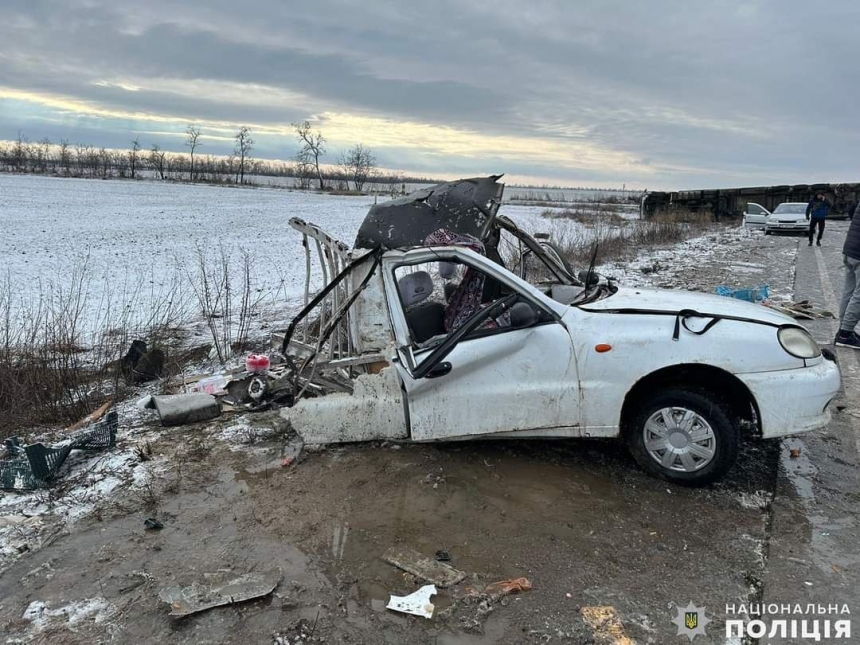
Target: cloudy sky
<point x="657" y="94"/>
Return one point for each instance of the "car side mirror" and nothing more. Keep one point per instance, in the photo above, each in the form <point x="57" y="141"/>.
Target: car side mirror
<point x="523" y="315"/>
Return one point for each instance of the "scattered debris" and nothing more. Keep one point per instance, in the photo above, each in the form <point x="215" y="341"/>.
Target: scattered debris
<point x="802" y="310"/>
<point x="152" y="524"/>
<point x="302" y="632"/>
<point x="417" y="603"/>
<point x="754" y="294"/>
<point x="140" y="364"/>
<point x="439" y="573"/>
<point x="507" y="587"/>
<point x="257" y="364"/>
<point x="184" y="601"/>
<point x="794" y="453"/>
<point x="215" y="385"/>
<point x="90" y="418"/>
<point x="179" y="409"/>
<point x="27" y="467"/>
<point x="606" y="624"/>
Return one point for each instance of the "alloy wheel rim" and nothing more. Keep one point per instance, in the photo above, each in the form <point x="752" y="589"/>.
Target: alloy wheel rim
<point x="679" y="439"/>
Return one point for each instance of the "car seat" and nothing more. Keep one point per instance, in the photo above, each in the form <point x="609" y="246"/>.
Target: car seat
<point x="425" y="319"/>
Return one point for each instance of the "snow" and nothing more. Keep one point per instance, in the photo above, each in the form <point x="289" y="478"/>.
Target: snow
<point x="88" y="479"/>
<point x="41" y="616"/>
<point x="139" y="239"/>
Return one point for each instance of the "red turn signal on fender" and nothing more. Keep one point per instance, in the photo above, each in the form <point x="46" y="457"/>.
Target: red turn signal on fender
<point x="602" y="348"/>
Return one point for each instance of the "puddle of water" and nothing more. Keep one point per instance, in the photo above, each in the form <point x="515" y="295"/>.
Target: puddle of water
<point x="801" y="471"/>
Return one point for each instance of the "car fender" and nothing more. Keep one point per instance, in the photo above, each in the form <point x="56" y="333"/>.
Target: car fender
<point x="642" y="344"/>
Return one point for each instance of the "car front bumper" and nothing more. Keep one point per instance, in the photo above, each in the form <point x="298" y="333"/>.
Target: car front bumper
<point x="796" y="400"/>
<point x="793" y="227"/>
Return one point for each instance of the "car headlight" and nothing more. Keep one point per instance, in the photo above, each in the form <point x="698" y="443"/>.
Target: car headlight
<point x="798" y="342"/>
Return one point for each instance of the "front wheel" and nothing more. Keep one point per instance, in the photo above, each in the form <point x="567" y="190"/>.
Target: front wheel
<point x="685" y="436"/>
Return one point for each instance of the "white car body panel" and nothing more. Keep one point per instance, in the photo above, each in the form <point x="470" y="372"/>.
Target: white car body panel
<point x="520" y="380"/>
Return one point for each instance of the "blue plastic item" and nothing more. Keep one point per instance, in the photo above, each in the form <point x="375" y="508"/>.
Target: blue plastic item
<point x="756" y="294"/>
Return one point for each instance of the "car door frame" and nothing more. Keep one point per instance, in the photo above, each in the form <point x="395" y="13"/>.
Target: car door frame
<point x="756" y="223"/>
<point x="561" y="420"/>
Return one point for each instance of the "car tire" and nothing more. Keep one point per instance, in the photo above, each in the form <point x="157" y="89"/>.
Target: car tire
<point x="712" y="427"/>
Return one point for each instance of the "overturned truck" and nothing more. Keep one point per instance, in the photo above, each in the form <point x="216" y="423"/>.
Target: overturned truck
<point x="448" y="321"/>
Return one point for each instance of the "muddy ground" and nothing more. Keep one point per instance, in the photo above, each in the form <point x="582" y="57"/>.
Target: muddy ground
<point x="577" y="518"/>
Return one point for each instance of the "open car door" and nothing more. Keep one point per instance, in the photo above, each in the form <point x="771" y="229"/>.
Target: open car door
<point x="755" y="215"/>
<point x="480" y="352"/>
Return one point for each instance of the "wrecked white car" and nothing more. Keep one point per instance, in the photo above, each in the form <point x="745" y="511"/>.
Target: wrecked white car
<point x="448" y="322"/>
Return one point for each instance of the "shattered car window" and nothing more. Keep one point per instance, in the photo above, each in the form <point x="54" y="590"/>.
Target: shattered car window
<point x="438" y="297"/>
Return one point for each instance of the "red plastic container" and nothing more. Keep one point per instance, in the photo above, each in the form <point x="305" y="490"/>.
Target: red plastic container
<point x="257" y="363"/>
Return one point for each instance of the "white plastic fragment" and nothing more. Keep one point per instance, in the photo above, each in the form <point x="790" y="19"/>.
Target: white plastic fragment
<point x="417" y="603"/>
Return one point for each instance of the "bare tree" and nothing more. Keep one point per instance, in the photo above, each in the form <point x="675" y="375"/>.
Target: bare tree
<point x="313" y="147"/>
<point x="46" y="154"/>
<point x="19" y="152"/>
<point x="104" y="160"/>
<point x="359" y="164"/>
<point x="192" y="142"/>
<point x="242" y="150"/>
<point x="132" y="155"/>
<point x="65" y="156"/>
<point x="156" y="159"/>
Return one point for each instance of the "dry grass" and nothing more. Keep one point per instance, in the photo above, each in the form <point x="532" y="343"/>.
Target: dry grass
<point x="58" y="363"/>
<point x="618" y="239"/>
<point x="60" y="349"/>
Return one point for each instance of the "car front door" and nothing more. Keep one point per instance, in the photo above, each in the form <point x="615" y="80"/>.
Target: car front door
<point x="512" y="373"/>
<point x="755" y="215"/>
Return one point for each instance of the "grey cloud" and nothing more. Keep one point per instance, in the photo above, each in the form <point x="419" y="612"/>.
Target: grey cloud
<point x="760" y="88"/>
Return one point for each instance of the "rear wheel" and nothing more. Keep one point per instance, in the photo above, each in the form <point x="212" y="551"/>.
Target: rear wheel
<point x="685" y="436"/>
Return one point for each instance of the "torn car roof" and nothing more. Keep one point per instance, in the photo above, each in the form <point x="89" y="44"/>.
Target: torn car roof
<point x="466" y="206"/>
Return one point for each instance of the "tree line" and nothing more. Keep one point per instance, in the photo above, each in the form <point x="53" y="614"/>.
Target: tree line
<point x="353" y="170"/>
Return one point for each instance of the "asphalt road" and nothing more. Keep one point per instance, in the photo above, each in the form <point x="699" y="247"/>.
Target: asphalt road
<point x="813" y="553"/>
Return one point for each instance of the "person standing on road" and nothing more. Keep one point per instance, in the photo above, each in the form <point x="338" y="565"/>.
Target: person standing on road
<point x="816" y="213"/>
<point x="849" y="308"/>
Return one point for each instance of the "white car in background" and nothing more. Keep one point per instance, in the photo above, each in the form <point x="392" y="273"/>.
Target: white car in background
<point x="789" y="217"/>
<point x="755" y="216"/>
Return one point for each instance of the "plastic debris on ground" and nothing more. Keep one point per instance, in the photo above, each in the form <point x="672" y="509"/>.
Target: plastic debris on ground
<point x="417" y="603"/>
<point x="28" y="467"/>
<point x="507" y="587"/>
<point x="755" y="294"/>
<point x="179" y="409"/>
<point x="198" y="597"/>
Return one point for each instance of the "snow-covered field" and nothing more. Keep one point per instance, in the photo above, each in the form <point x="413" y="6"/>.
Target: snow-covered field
<point x="140" y="238"/>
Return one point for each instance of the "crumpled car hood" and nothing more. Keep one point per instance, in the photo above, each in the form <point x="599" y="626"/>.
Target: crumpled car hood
<point x="660" y="300"/>
<point x="466" y="206"/>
